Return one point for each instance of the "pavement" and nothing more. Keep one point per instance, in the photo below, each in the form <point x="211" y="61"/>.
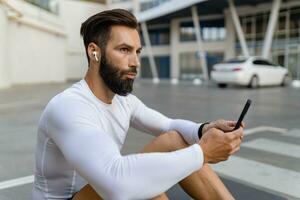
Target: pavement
<point x="266" y="167"/>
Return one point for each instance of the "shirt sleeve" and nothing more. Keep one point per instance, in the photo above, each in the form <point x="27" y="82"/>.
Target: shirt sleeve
<point x="72" y="125"/>
<point x="151" y="121"/>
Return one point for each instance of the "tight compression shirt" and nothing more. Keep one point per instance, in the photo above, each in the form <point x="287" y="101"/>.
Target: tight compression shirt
<point x="79" y="142"/>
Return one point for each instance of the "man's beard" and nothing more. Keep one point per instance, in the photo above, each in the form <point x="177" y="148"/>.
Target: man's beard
<point x="112" y="77"/>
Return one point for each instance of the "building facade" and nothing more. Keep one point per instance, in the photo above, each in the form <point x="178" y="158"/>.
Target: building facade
<point x="40" y="40"/>
<point x="174" y="43"/>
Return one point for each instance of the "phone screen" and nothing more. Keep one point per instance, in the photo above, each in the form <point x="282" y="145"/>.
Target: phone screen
<point x="245" y="109"/>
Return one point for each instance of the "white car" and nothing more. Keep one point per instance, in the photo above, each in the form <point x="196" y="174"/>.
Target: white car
<point x="252" y="72"/>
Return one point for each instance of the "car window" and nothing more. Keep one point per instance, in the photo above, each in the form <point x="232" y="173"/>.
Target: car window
<point x="235" y="61"/>
<point x="258" y="62"/>
<point x="263" y="62"/>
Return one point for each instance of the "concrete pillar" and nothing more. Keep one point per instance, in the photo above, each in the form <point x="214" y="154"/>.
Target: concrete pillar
<point x="200" y="43"/>
<point x="253" y="32"/>
<point x="298" y="63"/>
<point x="238" y="28"/>
<point x="230" y="36"/>
<point x="271" y="28"/>
<point x="174" y="55"/>
<point x="108" y="3"/>
<point x="149" y="52"/>
<point x="136" y="6"/>
<point x="287" y="39"/>
<point x="4" y="68"/>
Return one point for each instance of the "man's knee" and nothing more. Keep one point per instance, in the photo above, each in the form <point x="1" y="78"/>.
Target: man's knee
<point x="175" y="140"/>
<point x="166" y="142"/>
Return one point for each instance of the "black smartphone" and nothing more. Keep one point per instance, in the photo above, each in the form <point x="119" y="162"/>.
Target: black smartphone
<point x="245" y="109"/>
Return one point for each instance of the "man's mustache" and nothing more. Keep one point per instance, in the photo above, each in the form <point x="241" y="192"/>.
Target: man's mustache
<point x="130" y="70"/>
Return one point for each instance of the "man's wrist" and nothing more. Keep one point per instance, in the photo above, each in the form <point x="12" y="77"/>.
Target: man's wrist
<point x="201" y="129"/>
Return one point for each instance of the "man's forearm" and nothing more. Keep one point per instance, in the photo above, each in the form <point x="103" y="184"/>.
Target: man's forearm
<point x="187" y="129"/>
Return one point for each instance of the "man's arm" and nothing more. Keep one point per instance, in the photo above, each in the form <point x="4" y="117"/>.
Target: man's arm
<point x="96" y="157"/>
<point x="153" y="122"/>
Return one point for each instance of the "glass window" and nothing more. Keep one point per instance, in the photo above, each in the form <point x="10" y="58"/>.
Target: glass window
<point x="247" y="25"/>
<point x="294" y="23"/>
<point x="158" y="36"/>
<point x="49" y="5"/>
<point x="211" y="30"/>
<point x="162" y="67"/>
<point x="118" y="1"/>
<point x="281" y="22"/>
<point x="261" y="22"/>
<point x="151" y="4"/>
<point x="259" y="26"/>
<point x="293" y="62"/>
<point x="187" y="34"/>
<point x="281" y="59"/>
<point x="258" y="62"/>
<point x="190" y="66"/>
<point x="280" y="33"/>
<point x="262" y="62"/>
<point x="235" y="61"/>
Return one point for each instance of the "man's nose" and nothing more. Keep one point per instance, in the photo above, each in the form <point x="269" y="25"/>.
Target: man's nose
<point x="135" y="61"/>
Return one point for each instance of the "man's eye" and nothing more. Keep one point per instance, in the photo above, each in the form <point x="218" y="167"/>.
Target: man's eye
<point x="124" y="50"/>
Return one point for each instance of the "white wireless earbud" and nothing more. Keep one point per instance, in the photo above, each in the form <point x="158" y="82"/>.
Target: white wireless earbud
<point x="95" y="55"/>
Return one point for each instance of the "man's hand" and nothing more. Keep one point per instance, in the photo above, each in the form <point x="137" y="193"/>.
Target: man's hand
<point x="218" y="146"/>
<point x="221" y="124"/>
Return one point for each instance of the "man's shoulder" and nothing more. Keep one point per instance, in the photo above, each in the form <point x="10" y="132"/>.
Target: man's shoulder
<point x="71" y="99"/>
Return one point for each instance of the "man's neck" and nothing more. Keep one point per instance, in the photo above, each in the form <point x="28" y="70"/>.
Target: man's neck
<point x="98" y="87"/>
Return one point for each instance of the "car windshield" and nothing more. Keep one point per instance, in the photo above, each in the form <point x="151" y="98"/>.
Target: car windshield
<point x="235" y="61"/>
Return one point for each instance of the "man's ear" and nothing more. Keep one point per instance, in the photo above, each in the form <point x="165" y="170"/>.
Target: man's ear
<point x="96" y="56"/>
<point x="94" y="52"/>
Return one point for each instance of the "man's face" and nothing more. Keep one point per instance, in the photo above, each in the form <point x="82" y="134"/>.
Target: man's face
<point x="120" y="59"/>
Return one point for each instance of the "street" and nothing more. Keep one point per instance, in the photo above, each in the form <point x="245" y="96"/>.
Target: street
<point x="266" y="167"/>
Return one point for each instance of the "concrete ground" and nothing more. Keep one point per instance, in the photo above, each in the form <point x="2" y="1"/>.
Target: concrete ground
<point x="267" y="166"/>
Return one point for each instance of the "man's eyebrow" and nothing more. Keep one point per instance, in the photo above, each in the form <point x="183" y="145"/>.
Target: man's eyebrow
<point x="129" y="46"/>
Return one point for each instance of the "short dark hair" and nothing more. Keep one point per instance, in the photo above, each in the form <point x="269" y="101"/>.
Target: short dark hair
<point x="97" y="28"/>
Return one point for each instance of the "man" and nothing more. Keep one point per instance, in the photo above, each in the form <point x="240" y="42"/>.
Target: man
<point x="82" y="131"/>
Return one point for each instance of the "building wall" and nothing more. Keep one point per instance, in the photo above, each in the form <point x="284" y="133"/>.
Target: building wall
<point x="4" y="69"/>
<point x="73" y="14"/>
<point x="32" y="60"/>
<point x="34" y="46"/>
<point x="41" y="46"/>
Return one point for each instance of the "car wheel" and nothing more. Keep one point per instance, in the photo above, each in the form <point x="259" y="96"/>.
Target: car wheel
<point x="286" y="80"/>
<point x="222" y="85"/>
<point x="254" y="82"/>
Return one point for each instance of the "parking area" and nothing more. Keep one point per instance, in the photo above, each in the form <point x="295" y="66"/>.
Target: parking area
<point x="267" y="165"/>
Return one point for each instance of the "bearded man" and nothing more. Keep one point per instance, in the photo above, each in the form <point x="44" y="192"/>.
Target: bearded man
<point x="82" y="131"/>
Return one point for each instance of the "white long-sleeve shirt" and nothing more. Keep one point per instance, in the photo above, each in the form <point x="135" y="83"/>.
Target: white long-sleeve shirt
<point x="79" y="142"/>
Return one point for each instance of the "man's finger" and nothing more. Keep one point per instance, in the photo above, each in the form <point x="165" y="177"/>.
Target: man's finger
<point x="225" y="127"/>
<point x="231" y="123"/>
<point x="243" y="124"/>
<point x="239" y="132"/>
<point x="236" y="134"/>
